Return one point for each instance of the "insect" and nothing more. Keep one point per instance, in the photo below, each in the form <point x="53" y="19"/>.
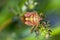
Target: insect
<point x="34" y="20"/>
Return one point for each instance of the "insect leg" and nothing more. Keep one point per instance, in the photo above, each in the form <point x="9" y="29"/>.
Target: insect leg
<point x="32" y="29"/>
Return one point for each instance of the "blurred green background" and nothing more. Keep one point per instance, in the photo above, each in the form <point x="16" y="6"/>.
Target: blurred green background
<point x="11" y="31"/>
